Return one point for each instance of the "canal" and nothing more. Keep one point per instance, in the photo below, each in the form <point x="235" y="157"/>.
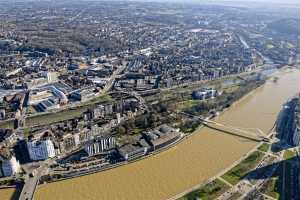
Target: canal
<point x="191" y="162"/>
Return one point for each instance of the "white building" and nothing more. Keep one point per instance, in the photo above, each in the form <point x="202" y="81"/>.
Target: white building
<point x="40" y="150"/>
<point x="52" y="77"/>
<point x="100" y="145"/>
<point x="9" y="166"/>
<point x="205" y="93"/>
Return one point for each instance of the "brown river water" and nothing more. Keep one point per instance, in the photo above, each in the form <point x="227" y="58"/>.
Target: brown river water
<point x="6" y="193"/>
<point x="191" y="162"/>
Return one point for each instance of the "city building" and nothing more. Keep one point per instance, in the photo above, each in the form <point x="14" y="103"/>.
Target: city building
<point x="69" y="142"/>
<point x="40" y="149"/>
<point x="132" y="151"/>
<point x="2" y="114"/>
<point x="8" y="164"/>
<point x="7" y="137"/>
<point x="296" y="125"/>
<point x="296" y="136"/>
<point x="100" y="145"/>
<point x="83" y="95"/>
<point x="205" y="93"/>
<point x="47" y="105"/>
<point x="52" y="77"/>
<point x="162" y="136"/>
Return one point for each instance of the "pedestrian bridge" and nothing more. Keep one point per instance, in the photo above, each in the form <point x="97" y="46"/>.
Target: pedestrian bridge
<point x="253" y="134"/>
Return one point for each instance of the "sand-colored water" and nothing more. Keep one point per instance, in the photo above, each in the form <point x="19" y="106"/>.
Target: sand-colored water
<point x="191" y="162"/>
<point x="6" y="194"/>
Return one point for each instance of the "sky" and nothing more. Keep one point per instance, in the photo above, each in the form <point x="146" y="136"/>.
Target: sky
<point x="261" y="1"/>
<point x="271" y="1"/>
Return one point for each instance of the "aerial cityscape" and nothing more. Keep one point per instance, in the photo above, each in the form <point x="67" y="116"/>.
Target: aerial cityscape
<point x="149" y="100"/>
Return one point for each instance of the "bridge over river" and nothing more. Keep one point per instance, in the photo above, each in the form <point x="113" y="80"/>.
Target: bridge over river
<point x="254" y="134"/>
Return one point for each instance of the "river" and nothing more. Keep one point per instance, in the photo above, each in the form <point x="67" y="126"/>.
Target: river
<point x="7" y="194"/>
<point x="191" y="162"/>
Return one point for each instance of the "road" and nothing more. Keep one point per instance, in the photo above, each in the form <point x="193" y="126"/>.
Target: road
<point x="31" y="183"/>
<point x="113" y="77"/>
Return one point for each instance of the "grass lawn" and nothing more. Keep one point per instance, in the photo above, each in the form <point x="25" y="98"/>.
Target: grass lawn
<point x="271" y="188"/>
<point x="232" y="88"/>
<point x="99" y="99"/>
<point x="54" y="117"/>
<point x="208" y="192"/>
<point x="290" y="45"/>
<point x="234" y="175"/>
<point x="136" y="131"/>
<point x="264" y="147"/>
<point x="66" y="114"/>
<point x="288" y="154"/>
<point x="26" y="132"/>
<point x="187" y="104"/>
<point x="7" y="124"/>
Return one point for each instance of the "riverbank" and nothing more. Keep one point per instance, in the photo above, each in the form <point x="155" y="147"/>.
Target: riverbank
<point x="224" y="172"/>
<point x="189" y="163"/>
<point x="76" y="175"/>
<point x="242" y="91"/>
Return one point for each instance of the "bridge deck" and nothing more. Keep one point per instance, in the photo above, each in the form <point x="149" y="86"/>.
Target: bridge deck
<point x="257" y="136"/>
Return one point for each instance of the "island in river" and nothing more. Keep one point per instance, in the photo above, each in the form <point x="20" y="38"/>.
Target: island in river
<point x="191" y="162"/>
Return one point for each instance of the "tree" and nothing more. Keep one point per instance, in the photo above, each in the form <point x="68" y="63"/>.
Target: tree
<point x="121" y="130"/>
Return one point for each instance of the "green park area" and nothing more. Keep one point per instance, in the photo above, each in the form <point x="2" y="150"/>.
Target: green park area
<point x="65" y="114"/>
<point x="288" y="154"/>
<point x="54" y="117"/>
<point x="187" y="104"/>
<point x="234" y="175"/>
<point x="271" y="188"/>
<point x="48" y="118"/>
<point x="208" y="192"/>
<point x="7" y="124"/>
<point x="264" y="147"/>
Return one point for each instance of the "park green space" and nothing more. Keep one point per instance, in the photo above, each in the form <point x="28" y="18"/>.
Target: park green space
<point x="48" y="118"/>
<point x="264" y="147"/>
<point x="271" y="188"/>
<point x="288" y="154"/>
<point x="234" y="175"/>
<point x="208" y="192"/>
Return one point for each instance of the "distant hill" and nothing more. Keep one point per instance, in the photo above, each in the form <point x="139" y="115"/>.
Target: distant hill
<point x="288" y="26"/>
